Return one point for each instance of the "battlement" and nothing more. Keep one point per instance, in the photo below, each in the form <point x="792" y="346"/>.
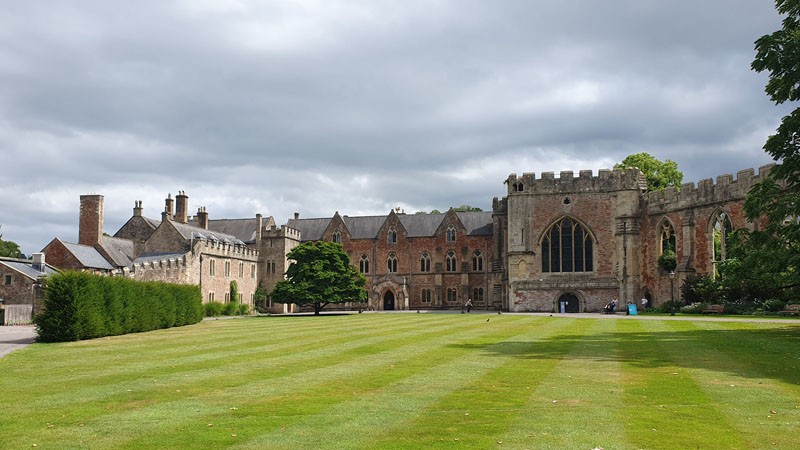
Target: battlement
<point x="605" y="181"/>
<point x="725" y="189"/>
<point x="225" y="249"/>
<point x="282" y="232"/>
<point x="165" y="262"/>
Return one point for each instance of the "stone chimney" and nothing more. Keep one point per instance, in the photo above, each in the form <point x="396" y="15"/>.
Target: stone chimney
<point x="259" y="226"/>
<point x="38" y="262"/>
<point x="90" y="226"/>
<point x="137" y="208"/>
<point x="181" y="211"/>
<point x="167" y="214"/>
<point x="296" y="215"/>
<point x="202" y="218"/>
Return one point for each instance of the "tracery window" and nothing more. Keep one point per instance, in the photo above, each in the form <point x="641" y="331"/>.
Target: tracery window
<point x="450" y="261"/>
<point x="452" y="295"/>
<point x="391" y="236"/>
<point x="721" y="229"/>
<point x="477" y="261"/>
<point x="337" y="236"/>
<point x="391" y="263"/>
<point x="451" y="233"/>
<point x="425" y="262"/>
<point x="363" y="264"/>
<point x="425" y="296"/>
<point x="567" y="247"/>
<point x="667" y="238"/>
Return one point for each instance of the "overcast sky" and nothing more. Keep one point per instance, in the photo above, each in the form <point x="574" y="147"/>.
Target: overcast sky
<point x="359" y="106"/>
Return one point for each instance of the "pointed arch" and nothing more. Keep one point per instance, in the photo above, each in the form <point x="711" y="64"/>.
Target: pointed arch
<point x="667" y="240"/>
<point x="720" y="229"/>
<point x="567" y="246"/>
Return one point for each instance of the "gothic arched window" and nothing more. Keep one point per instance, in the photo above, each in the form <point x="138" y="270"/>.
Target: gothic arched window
<point x="450" y="261"/>
<point x="425" y="262"/>
<point x="363" y="264"/>
<point x="451" y="233"/>
<point x="391" y="236"/>
<point x="721" y="229"/>
<point x="477" y="261"/>
<point x="391" y="263"/>
<point x="567" y="247"/>
<point x="337" y="236"/>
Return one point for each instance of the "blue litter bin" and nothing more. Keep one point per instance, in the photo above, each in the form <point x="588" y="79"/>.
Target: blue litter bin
<point x="632" y="309"/>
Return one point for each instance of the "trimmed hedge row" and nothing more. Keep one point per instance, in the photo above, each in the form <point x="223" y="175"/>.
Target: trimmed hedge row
<point x="80" y="305"/>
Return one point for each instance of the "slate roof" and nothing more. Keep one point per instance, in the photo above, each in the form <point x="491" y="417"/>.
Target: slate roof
<point x="477" y="223"/>
<point x="26" y="268"/>
<point x="88" y="256"/>
<point x="119" y="250"/>
<point x="190" y="232"/>
<point x="310" y="229"/>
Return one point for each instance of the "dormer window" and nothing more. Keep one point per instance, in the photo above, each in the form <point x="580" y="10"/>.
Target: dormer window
<point x="337" y="236"/>
<point x="391" y="236"/>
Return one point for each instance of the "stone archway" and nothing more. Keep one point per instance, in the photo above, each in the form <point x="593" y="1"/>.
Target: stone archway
<point x="388" y="301"/>
<point x="568" y="303"/>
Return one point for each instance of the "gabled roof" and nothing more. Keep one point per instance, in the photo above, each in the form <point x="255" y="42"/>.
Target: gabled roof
<point x="119" y="250"/>
<point x="478" y="223"/>
<point x="310" y="229"/>
<point x="88" y="256"/>
<point x="364" y="227"/>
<point x="190" y="232"/>
<point x="242" y="229"/>
<point x="26" y="268"/>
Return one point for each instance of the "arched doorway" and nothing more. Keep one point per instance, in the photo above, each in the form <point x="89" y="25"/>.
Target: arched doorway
<point x="568" y="303"/>
<point x="388" y="301"/>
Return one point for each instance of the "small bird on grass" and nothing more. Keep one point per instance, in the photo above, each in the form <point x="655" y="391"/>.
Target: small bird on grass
<point x="487" y="320"/>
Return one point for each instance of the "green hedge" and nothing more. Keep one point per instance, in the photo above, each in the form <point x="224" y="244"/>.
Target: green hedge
<point x="80" y="305"/>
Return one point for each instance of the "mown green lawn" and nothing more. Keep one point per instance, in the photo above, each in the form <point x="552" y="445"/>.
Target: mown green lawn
<point x="412" y="381"/>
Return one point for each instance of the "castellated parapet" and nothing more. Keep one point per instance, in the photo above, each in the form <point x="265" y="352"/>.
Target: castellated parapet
<point x="707" y="192"/>
<point x="567" y="182"/>
<point x="282" y="232"/>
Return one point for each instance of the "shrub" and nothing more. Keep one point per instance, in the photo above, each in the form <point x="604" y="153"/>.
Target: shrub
<point x="244" y="309"/>
<point x="773" y="305"/>
<point x="213" y="309"/>
<point x="230" y="308"/>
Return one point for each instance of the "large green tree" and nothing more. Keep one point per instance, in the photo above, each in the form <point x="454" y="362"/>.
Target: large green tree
<point x="9" y="249"/>
<point x="769" y="256"/>
<point x="659" y="174"/>
<point x="320" y="274"/>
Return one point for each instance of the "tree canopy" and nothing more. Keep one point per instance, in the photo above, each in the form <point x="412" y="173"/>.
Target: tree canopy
<point x="768" y="258"/>
<point x="320" y="274"/>
<point x="659" y="175"/>
<point x="9" y="249"/>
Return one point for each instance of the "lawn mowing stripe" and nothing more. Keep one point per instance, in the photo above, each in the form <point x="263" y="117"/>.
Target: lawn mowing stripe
<point x="390" y="409"/>
<point x="314" y="370"/>
<point x="132" y="366"/>
<point x="665" y="401"/>
<point x="185" y="376"/>
<point x="582" y="417"/>
<point x="278" y="403"/>
<point x="753" y="397"/>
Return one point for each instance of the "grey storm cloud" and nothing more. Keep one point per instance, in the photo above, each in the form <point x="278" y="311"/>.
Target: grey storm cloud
<point x="317" y="106"/>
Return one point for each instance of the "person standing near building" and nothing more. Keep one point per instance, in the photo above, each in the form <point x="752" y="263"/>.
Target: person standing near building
<point x="468" y="305"/>
<point x="644" y="303"/>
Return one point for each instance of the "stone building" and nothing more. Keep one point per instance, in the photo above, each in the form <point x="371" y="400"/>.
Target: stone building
<point x="21" y="287"/>
<point x="171" y="250"/>
<point x="571" y="244"/>
<point x="416" y="261"/>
